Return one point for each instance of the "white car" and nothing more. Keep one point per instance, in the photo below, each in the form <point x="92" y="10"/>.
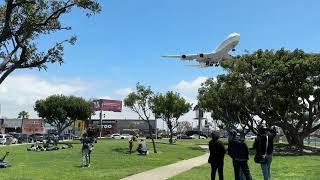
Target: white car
<point x="126" y="136"/>
<point x="10" y="139"/>
<point x="196" y="136"/>
<point x="251" y="137"/>
<point x="3" y="139"/>
<point x="115" y="136"/>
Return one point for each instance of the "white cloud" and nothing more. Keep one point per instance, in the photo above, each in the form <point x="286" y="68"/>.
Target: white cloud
<point x="123" y="91"/>
<point x="21" y="91"/>
<point x="189" y="89"/>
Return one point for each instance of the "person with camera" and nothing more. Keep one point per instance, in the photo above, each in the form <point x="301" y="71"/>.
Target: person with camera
<point x="87" y="144"/>
<point x="216" y="157"/>
<point x="264" y="149"/>
<point x="239" y="152"/>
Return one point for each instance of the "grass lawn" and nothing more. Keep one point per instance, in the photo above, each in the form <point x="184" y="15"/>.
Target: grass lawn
<point x="110" y="160"/>
<point x="305" y="167"/>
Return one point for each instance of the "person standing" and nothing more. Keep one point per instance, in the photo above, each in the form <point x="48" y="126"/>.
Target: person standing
<point x="216" y="157"/>
<point x="264" y="149"/>
<point x="239" y="152"/>
<point x="87" y="145"/>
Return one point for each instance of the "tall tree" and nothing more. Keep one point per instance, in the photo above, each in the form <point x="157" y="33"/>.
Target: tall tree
<point x="24" y="22"/>
<point x="229" y="100"/>
<point x="282" y="88"/>
<point x="140" y="102"/>
<point x="170" y="107"/>
<point x="61" y="111"/>
<point x="23" y="115"/>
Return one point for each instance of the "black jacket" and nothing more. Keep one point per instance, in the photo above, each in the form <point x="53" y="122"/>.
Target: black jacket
<point x="217" y="152"/>
<point x="261" y="142"/>
<point x="238" y="149"/>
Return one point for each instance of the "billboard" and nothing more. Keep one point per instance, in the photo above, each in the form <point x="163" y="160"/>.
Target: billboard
<point x="107" y="105"/>
<point x="31" y="126"/>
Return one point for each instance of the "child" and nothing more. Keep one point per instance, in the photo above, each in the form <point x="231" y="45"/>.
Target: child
<point x="130" y="144"/>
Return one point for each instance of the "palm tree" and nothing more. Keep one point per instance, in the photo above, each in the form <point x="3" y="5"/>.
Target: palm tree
<point x="23" y="115"/>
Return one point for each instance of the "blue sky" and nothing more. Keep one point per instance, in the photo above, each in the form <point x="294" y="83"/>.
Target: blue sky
<point x="122" y="45"/>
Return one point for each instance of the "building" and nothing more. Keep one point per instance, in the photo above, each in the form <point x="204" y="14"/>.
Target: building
<point x="11" y="125"/>
<point x="123" y="126"/>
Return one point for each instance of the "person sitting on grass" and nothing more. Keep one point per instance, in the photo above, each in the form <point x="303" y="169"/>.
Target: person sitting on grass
<point x="142" y="148"/>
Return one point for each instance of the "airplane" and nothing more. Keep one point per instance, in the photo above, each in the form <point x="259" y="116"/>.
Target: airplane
<point x="213" y="58"/>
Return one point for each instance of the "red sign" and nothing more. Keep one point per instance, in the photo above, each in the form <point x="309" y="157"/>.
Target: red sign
<point x="107" y="105"/>
<point x="31" y="126"/>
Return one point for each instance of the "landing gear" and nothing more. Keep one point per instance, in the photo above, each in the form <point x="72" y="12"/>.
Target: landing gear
<point x="216" y="65"/>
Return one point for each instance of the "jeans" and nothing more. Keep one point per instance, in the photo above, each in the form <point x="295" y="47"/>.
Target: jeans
<point x="214" y="167"/>
<point x="243" y="166"/>
<point x="265" y="167"/>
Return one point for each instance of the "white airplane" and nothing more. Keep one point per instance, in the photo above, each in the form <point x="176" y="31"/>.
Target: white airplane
<point x="213" y="58"/>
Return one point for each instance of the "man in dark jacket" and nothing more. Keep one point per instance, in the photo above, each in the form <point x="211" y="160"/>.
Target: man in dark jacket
<point x="239" y="152"/>
<point x="216" y="158"/>
<point x="264" y="146"/>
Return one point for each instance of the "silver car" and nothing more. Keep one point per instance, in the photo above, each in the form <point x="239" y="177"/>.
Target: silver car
<point x="3" y="139"/>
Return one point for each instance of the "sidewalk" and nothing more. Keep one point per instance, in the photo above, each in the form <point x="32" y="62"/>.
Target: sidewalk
<point x="171" y="170"/>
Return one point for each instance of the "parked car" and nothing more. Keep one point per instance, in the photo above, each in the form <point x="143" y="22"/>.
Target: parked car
<point x="10" y="139"/>
<point x="183" y="136"/>
<point x="190" y="133"/>
<point x="196" y="136"/>
<point x="125" y="136"/>
<point x="154" y="136"/>
<point x="115" y="136"/>
<point x="251" y="137"/>
<point x="3" y="139"/>
<point x="37" y="137"/>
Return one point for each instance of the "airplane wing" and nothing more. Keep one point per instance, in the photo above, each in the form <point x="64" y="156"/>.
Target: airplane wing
<point x="197" y="65"/>
<point x="182" y="57"/>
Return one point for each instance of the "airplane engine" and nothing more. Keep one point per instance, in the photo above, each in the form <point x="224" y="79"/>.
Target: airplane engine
<point x="201" y="55"/>
<point x="183" y="56"/>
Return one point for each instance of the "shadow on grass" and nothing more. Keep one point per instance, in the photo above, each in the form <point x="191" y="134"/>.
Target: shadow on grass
<point x="197" y="149"/>
<point x="122" y="150"/>
<point x="167" y="143"/>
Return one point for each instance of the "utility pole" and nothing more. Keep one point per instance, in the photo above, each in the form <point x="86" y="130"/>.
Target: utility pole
<point x="100" y="101"/>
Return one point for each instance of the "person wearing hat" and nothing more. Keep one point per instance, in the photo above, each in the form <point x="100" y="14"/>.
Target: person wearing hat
<point x="216" y="158"/>
<point x="239" y="152"/>
<point x="264" y="148"/>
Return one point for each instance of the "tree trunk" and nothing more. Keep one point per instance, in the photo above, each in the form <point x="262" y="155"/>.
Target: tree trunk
<point x="150" y="132"/>
<point x="171" y="135"/>
<point x="295" y="140"/>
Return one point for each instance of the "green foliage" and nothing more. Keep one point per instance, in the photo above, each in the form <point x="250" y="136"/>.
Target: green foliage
<point x="281" y="87"/>
<point x="140" y="102"/>
<point x="61" y="111"/>
<point x="170" y="107"/>
<point x="24" y="22"/>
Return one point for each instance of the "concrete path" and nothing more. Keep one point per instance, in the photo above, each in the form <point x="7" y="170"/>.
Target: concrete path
<point x="171" y="170"/>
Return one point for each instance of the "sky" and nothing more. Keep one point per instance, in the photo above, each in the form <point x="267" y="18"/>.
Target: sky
<point x="123" y="45"/>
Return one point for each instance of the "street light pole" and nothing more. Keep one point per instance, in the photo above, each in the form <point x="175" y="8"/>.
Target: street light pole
<point x="100" y="117"/>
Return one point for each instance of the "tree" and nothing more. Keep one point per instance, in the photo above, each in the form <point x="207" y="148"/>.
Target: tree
<point x="24" y="22"/>
<point x="170" y="107"/>
<point x="140" y="102"/>
<point x="281" y="88"/>
<point x="184" y="126"/>
<point x="23" y="115"/>
<point x="61" y="111"/>
<point x="228" y="99"/>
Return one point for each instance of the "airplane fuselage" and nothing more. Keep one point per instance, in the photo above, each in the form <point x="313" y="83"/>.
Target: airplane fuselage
<point x="220" y="54"/>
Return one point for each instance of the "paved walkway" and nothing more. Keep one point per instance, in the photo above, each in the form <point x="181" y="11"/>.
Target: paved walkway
<point x="171" y="170"/>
